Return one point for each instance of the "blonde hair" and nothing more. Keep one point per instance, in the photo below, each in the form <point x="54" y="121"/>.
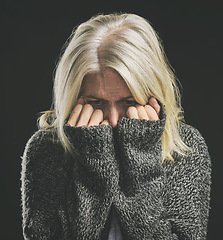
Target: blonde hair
<point x="128" y="44"/>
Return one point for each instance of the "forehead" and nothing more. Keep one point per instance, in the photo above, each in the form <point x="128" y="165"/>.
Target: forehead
<point x="105" y="85"/>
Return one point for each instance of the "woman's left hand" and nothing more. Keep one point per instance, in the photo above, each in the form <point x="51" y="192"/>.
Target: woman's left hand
<point x="148" y="112"/>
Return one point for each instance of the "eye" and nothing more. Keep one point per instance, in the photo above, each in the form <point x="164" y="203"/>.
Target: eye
<point x="96" y="103"/>
<point x="129" y="102"/>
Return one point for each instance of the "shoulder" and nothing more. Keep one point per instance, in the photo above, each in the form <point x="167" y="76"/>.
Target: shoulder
<point x="194" y="168"/>
<point x="193" y="138"/>
<point x="41" y="142"/>
<point x="197" y="158"/>
<point x="190" y="134"/>
<point x="198" y="154"/>
<point x="43" y="149"/>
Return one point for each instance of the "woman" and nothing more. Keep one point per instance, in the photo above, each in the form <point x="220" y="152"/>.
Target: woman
<point x="114" y="159"/>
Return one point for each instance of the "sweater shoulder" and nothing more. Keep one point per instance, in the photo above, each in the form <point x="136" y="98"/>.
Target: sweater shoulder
<point x="196" y="161"/>
<point x="43" y="148"/>
<point x="43" y="141"/>
<point x="193" y="138"/>
<point x="191" y="135"/>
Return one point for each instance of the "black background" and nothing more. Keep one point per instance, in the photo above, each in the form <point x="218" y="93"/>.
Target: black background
<point x="32" y="35"/>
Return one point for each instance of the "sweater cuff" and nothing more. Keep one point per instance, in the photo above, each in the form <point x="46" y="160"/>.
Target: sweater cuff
<point x="139" y="145"/>
<point x="89" y="139"/>
<point x="141" y="133"/>
<point x="94" y="149"/>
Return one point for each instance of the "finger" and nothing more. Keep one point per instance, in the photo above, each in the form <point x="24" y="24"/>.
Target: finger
<point x="81" y="101"/>
<point x="96" y="118"/>
<point x="142" y="114"/>
<point x="151" y="112"/>
<point x="75" y="115"/>
<point x="153" y="102"/>
<point x="85" y="115"/>
<point x="132" y="112"/>
<point x="105" y="122"/>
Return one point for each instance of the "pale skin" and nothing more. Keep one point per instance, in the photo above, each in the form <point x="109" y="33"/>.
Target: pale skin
<point x="105" y="99"/>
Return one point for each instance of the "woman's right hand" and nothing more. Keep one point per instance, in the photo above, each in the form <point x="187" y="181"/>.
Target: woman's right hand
<point x="84" y="115"/>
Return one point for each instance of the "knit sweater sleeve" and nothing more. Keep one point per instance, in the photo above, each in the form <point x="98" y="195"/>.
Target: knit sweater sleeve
<point x="155" y="201"/>
<point x="61" y="202"/>
<point x="42" y="193"/>
<point x="94" y="152"/>
<point x="94" y="180"/>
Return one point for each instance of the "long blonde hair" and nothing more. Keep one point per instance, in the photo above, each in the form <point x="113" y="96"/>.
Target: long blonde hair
<point x="128" y="44"/>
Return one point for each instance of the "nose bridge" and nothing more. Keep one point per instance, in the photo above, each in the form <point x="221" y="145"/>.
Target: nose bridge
<point x="113" y="114"/>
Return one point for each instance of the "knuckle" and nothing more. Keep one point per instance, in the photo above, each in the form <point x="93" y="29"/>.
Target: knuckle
<point x="132" y="109"/>
<point x="88" y="107"/>
<point x="77" y="109"/>
<point x="151" y="112"/>
<point x="148" y="107"/>
<point x="98" y="111"/>
<point x="138" y="106"/>
<point x="132" y="112"/>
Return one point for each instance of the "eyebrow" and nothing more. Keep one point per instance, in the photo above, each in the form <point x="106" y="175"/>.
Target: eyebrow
<point x="91" y="96"/>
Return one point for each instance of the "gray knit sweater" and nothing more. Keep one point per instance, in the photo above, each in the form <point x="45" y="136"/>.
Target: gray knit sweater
<point x="115" y="171"/>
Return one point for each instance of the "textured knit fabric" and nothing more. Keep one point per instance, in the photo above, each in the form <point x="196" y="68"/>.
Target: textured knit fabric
<point x="115" y="171"/>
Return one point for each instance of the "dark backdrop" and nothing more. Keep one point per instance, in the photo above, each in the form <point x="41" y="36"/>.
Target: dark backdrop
<point x="32" y="34"/>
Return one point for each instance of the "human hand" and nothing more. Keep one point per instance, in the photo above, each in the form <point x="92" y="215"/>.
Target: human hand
<point x="84" y="115"/>
<point x="148" y="112"/>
